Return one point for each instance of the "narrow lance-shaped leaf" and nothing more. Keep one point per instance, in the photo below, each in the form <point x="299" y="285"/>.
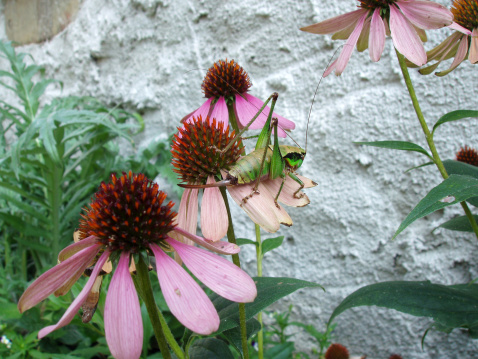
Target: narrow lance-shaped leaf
<point x="397" y="145"/>
<point x="454" y="116"/>
<point x="460" y="224"/>
<point x="461" y="168"/>
<point x="454" y="189"/>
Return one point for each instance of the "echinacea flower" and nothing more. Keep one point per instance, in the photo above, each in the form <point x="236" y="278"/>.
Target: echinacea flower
<point x="404" y="20"/>
<point x="199" y="161"/>
<point x="226" y="87"/>
<point x="128" y="216"/>
<point x="462" y="44"/>
<point x="467" y="155"/>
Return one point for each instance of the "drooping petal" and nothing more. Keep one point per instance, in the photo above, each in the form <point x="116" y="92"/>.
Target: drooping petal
<point x="329" y="69"/>
<point x="283" y="122"/>
<point x="220" y="247"/>
<point x="219" y="274"/>
<point x="377" y="36"/>
<point x="447" y="49"/>
<point x="459" y="57"/>
<point x="75" y="248"/>
<point x="123" y="323"/>
<point x="426" y="14"/>
<point x="202" y="111"/>
<point x="344" y="56"/>
<point x="188" y="212"/>
<point x="405" y="38"/>
<point x="75" y="306"/>
<point x="363" y="39"/>
<point x="460" y="28"/>
<point x="287" y="193"/>
<point x="220" y="112"/>
<point x="334" y="24"/>
<point x="185" y="298"/>
<point x="60" y="275"/>
<point x="308" y="183"/>
<point x="214" y="221"/>
<point x="473" y="54"/>
<point x="344" y="34"/>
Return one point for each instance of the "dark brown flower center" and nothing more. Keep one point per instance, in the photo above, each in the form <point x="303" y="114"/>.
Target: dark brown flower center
<point x="373" y="4"/>
<point x="197" y="149"/>
<point x="468" y="155"/>
<point x="337" y="351"/>
<point x="127" y="214"/>
<point x="465" y="13"/>
<point x="225" y="78"/>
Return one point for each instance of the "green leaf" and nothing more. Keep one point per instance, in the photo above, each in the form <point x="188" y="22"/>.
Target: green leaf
<point x="461" y="224"/>
<point x="459" y="188"/>
<point x="234" y="335"/>
<point x="450" y="306"/>
<point x="454" y="116"/>
<point x="210" y="348"/>
<point x="271" y="243"/>
<point x="461" y="168"/>
<point x="269" y="290"/>
<point x="397" y="145"/>
<point x="242" y="241"/>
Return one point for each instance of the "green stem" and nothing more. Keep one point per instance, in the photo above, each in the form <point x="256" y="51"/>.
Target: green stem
<point x="235" y="258"/>
<point x="259" y="256"/>
<point x="429" y="135"/>
<point x="146" y="292"/>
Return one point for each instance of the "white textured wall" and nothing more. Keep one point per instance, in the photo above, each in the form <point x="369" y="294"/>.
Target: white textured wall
<point x="152" y="55"/>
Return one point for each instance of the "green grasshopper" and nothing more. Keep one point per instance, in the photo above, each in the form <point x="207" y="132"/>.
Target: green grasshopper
<point x="265" y="162"/>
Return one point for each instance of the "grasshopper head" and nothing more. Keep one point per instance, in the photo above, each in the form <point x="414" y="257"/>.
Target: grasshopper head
<point x="294" y="157"/>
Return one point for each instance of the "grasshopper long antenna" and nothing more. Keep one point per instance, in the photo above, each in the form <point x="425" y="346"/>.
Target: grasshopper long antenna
<point x="315" y="94"/>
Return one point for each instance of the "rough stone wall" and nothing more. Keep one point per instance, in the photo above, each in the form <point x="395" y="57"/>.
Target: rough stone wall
<point x="151" y="56"/>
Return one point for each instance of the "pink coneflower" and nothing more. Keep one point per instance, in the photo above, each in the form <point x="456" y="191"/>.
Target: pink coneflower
<point x="198" y="161"/>
<point x="128" y="216"/>
<point x="227" y="83"/>
<point x="404" y="20"/>
<point x="462" y="43"/>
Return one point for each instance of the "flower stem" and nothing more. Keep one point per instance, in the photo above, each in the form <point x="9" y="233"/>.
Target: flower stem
<point x="429" y="135"/>
<point x="260" y="334"/>
<point x="235" y="258"/>
<point x="146" y="292"/>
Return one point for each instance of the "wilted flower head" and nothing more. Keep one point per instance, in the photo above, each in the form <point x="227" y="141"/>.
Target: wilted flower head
<point x="226" y="87"/>
<point x="404" y="20"/>
<point x="462" y="44"/>
<point x="199" y="161"/>
<point x="468" y="155"/>
<point x="128" y="216"/>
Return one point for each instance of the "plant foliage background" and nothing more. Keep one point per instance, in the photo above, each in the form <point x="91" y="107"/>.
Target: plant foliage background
<point x="150" y="57"/>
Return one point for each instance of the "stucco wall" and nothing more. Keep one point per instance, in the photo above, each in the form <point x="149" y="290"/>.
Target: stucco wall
<point x="151" y="55"/>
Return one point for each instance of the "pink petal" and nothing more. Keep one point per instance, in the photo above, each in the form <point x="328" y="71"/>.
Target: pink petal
<point x="473" y="54"/>
<point x="60" y="275"/>
<point x="202" y="111"/>
<point x="287" y="194"/>
<point x="75" y="306"/>
<point x="75" y="248"/>
<point x="218" y="247"/>
<point x="459" y="57"/>
<point x="426" y="14"/>
<point x="220" y="112"/>
<point x="308" y="183"/>
<point x="405" y="38"/>
<point x="363" y="39"/>
<point x="444" y="49"/>
<point x="377" y="36"/>
<point x="460" y="28"/>
<point x="222" y="276"/>
<point x="214" y="221"/>
<point x="329" y="69"/>
<point x="344" y="56"/>
<point x="334" y="24"/>
<point x="185" y="298"/>
<point x="123" y="323"/>
<point x="344" y="34"/>
<point x="188" y="212"/>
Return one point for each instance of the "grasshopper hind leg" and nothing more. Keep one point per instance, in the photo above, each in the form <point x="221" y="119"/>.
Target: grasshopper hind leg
<point x="297" y="179"/>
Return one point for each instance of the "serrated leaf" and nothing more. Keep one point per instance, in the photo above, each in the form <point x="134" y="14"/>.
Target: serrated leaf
<point x="271" y="243"/>
<point x="454" y="189"/>
<point x="454" y="116"/>
<point x="269" y="290"/>
<point x="210" y="348"/>
<point x="397" y="145"/>
<point x="450" y="306"/>
<point x="461" y="224"/>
